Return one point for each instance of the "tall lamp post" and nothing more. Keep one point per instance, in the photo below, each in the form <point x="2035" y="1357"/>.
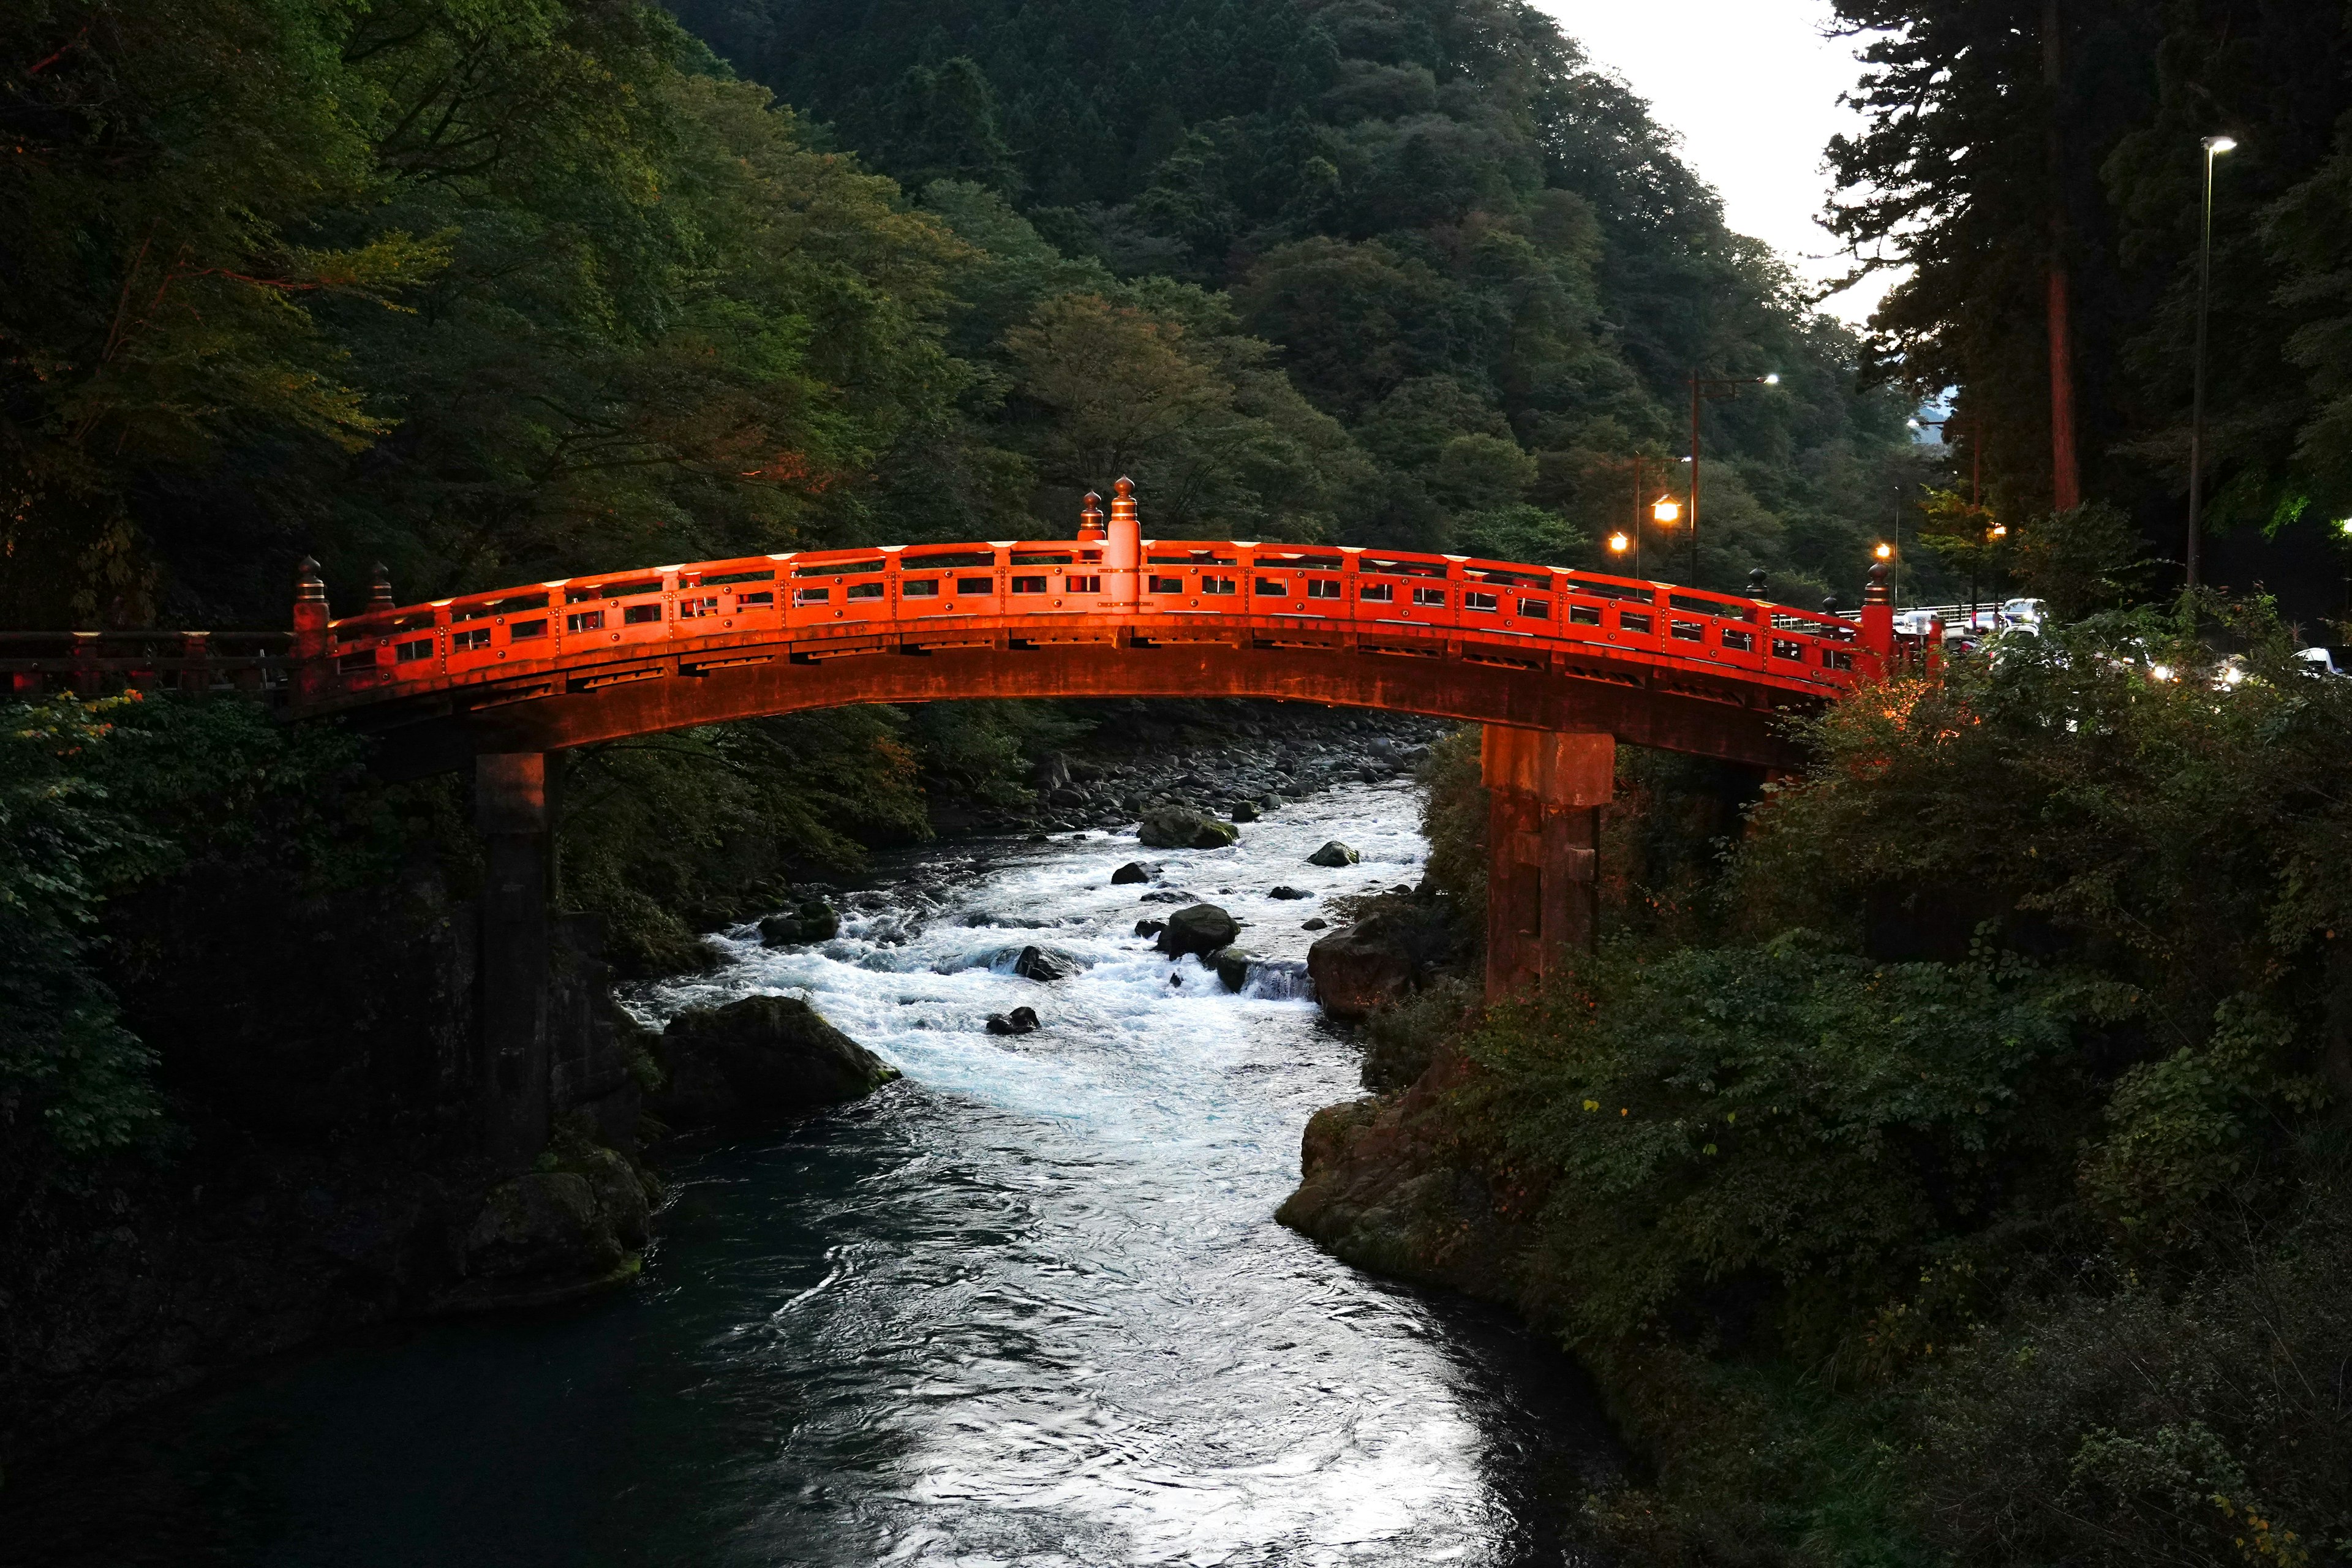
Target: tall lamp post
<point x="1702" y="388"/>
<point x="2214" y="147"/>
<point x="1666" y="510"/>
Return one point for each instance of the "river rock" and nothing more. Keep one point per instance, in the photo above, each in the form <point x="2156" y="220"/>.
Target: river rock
<point x="1334" y="853"/>
<point x="1133" y="872"/>
<point x="1244" y="811"/>
<point x="1020" y="1021"/>
<point x="1046" y="965"/>
<point x="756" y="1062"/>
<point x="1150" y="928"/>
<point x="1199" y="928"/>
<point x="814" y="921"/>
<point x="542" y="1228"/>
<point x="1233" y="966"/>
<point x="620" y="1195"/>
<point x="1180" y="828"/>
<point x="1356" y="970"/>
<point x="1318" y="923"/>
<point x="1171" y="896"/>
<point x="1289" y="892"/>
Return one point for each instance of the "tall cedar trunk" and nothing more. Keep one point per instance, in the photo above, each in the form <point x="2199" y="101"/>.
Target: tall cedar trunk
<point x="2065" y="478"/>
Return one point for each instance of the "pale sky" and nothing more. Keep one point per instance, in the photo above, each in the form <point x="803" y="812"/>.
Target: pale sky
<point x="1752" y="87"/>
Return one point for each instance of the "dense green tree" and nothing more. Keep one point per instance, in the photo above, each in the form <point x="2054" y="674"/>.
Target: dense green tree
<point x="2004" y="142"/>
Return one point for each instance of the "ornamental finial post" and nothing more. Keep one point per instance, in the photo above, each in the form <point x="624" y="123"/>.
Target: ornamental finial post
<point x="1758" y="584"/>
<point x="1123" y="549"/>
<point x="1090" y="520"/>
<point x="310" y="638"/>
<point x="380" y="587"/>
<point x="1878" y="611"/>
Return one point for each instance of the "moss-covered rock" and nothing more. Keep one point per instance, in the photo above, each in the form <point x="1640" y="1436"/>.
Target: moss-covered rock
<point x="757" y="1063"/>
<point x="1198" y="928"/>
<point x="542" y="1226"/>
<point x="1180" y="828"/>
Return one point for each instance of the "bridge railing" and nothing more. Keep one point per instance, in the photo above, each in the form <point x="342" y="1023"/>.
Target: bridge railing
<point x="1177" y="587"/>
<point x="1103" y="586"/>
<point x="94" y="664"/>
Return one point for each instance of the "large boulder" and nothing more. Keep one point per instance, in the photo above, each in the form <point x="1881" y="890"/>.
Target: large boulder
<point x="1181" y="827"/>
<point x="1334" y="853"/>
<point x="1198" y="928"/>
<point x="1020" y="1021"/>
<point x="1133" y="872"/>
<point x="1046" y="965"/>
<point x="619" y="1194"/>
<point x="757" y="1062"/>
<point x="1358" y="969"/>
<point x="814" y="921"/>
<point x="542" y="1224"/>
<point x="1244" y="811"/>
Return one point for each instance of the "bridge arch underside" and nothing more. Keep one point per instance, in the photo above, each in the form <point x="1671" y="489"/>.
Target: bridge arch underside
<point x="1725" y="720"/>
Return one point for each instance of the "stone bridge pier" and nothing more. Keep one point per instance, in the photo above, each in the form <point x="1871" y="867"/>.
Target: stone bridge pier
<point x="513" y="810"/>
<point x="1545" y="790"/>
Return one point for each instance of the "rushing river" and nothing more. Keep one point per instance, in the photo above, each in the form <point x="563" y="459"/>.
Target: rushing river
<point x="1027" y="1307"/>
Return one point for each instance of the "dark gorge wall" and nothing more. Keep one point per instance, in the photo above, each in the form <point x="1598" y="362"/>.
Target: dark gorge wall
<point x="318" y="1055"/>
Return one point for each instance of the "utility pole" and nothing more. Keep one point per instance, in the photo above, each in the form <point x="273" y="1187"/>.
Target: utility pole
<point x="1703" y="387"/>
<point x="2065" y="477"/>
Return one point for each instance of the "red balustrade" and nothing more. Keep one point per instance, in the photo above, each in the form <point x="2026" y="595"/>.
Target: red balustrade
<point x="820" y="604"/>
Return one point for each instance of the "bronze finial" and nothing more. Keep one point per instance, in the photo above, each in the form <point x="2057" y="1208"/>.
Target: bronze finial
<point x="380" y="587"/>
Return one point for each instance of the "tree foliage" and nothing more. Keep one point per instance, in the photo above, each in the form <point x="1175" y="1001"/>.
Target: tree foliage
<point x="1968" y="1144"/>
<point x="2003" y="142"/>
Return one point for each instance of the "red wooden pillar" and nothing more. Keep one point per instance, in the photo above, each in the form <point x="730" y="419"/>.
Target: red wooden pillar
<point x="511" y="810"/>
<point x="1545" y="791"/>
<point x="1878" y="619"/>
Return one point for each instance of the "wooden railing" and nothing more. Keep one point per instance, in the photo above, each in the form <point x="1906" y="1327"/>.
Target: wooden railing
<point x="1110" y="585"/>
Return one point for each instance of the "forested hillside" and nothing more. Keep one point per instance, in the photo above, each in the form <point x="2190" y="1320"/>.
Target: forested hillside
<point x="509" y="290"/>
<point x="1476" y="259"/>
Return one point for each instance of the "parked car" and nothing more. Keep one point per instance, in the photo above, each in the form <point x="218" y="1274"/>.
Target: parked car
<point x="2024" y="612"/>
<point x="2321" y="661"/>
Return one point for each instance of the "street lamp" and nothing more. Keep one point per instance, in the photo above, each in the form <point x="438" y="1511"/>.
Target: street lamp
<point x="1634" y="541"/>
<point x="1703" y="387"/>
<point x="2214" y="147"/>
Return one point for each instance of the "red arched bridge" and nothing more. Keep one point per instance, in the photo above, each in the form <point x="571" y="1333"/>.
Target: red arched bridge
<point x="1560" y="665"/>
